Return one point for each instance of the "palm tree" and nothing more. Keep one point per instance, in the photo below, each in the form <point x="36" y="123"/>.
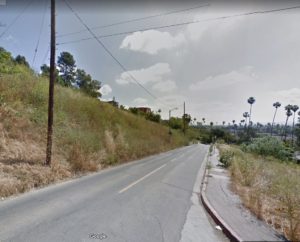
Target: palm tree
<point x="289" y="113"/>
<point x="223" y="123"/>
<point x="276" y="106"/>
<point x="294" y="109"/>
<point x="251" y="101"/>
<point x="203" y="119"/>
<point x="246" y="116"/>
<point x="234" y="126"/>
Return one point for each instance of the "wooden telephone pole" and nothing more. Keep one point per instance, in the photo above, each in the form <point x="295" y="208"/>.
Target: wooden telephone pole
<point x="51" y="87"/>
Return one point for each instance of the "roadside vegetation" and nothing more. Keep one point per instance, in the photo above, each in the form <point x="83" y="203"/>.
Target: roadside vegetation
<point x="263" y="165"/>
<point x="268" y="186"/>
<point x="88" y="134"/>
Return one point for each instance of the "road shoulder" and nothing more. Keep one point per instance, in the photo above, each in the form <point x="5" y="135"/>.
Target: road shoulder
<point x="227" y="210"/>
<point x="197" y="219"/>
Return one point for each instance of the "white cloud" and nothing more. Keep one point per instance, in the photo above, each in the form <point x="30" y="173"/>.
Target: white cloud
<point x="11" y="39"/>
<point x="172" y="100"/>
<point x="105" y="99"/>
<point x="152" y="41"/>
<point x="226" y="79"/>
<point x="165" y="86"/>
<point x="140" y="101"/>
<point x="213" y="29"/>
<point x="290" y="96"/>
<point x="155" y="73"/>
<point x="105" y="90"/>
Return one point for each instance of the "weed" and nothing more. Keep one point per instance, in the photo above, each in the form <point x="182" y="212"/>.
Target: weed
<point x="269" y="188"/>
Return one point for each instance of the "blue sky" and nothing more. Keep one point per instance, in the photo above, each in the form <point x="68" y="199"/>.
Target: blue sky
<point x="214" y="66"/>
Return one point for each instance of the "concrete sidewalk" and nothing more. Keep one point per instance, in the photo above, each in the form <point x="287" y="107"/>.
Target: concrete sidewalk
<point x="227" y="210"/>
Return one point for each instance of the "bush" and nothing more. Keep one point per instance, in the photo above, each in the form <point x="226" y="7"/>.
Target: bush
<point x="226" y="158"/>
<point x="269" y="146"/>
<point x="79" y="160"/>
<point x="208" y="136"/>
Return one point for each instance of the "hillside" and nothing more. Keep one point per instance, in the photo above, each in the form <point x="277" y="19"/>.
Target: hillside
<point x="88" y="134"/>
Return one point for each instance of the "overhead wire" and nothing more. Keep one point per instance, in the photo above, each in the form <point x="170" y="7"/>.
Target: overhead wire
<point x="46" y="55"/>
<point x="40" y="33"/>
<point x="110" y="53"/>
<point x="181" y="24"/>
<point x="16" y="18"/>
<point x="136" y="19"/>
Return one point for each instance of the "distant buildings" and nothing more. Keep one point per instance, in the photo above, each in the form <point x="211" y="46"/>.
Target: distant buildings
<point x="114" y="102"/>
<point x="136" y="110"/>
<point x="145" y="110"/>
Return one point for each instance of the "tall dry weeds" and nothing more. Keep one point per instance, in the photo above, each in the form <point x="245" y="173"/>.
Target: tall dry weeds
<point x="269" y="188"/>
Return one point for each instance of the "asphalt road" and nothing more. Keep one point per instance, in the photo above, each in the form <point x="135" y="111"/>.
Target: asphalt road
<point x="152" y="199"/>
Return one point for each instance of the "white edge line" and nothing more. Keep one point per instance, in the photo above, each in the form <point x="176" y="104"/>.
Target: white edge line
<point x="141" y="179"/>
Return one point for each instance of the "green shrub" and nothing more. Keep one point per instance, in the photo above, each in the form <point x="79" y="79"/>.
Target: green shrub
<point x="269" y="146"/>
<point x="226" y="158"/>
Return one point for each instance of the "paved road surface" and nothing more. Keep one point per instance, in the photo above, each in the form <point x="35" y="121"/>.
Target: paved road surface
<point x="146" y="200"/>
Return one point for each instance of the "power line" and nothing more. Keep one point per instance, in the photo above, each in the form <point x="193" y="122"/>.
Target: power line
<point x="40" y="34"/>
<point x="16" y="18"/>
<point x="110" y="53"/>
<point x="182" y="24"/>
<point x="136" y="19"/>
<point x="46" y="55"/>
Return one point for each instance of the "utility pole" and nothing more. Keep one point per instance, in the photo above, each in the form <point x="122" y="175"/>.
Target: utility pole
<point x="183" y="118"/>
<point x="170" y="121"/>
<point x="51" y="87"/>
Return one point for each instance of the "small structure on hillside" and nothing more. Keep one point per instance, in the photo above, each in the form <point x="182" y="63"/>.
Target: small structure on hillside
<point x="144" y="110"/>
<point x="114" y="102"/>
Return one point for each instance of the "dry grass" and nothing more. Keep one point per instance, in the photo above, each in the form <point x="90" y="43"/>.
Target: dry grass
<point x="22" y="177"/>
<point x="88" y="134"/>
<point x="269" y="188"/>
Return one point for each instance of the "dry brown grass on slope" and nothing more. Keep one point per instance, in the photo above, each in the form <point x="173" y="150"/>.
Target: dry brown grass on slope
<point x="22" y="177"/>
<point x="88" y="134"/>
<point x="269" y="188"/>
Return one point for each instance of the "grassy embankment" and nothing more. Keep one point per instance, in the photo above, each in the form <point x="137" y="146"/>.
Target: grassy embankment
<point x="88" y="134"/>
<point x="269" y="187"/>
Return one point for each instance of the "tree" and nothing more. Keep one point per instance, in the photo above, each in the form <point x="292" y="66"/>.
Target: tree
<point x="294" y="109"/>
<point x="289" y="113"/>
<point x="187" y="118"/>
<point x="66" y="64"/>
<point x="175" y="123"/>
<point x="153" y="117"/>
<point x="276" y="105"/>
<point x="21" y="60"/>
<point x="251" y="101"/>
<point x="6" y="61"/>
<point x="85" y="82"/>
<point x="45" y="70"/>
<point x="297" y="131"/>
<point x="246" y="116"/>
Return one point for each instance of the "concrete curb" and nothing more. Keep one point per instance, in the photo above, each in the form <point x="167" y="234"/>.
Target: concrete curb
<point x="227" y="230"/>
